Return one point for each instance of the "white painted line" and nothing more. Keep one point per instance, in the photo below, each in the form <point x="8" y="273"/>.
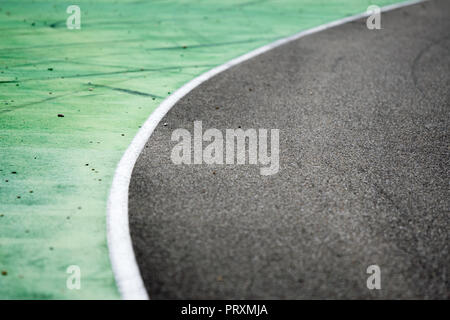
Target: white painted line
<point x="125" y="268"/>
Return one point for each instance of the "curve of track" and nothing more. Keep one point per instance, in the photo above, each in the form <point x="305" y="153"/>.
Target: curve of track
<point x="363" y="118"/>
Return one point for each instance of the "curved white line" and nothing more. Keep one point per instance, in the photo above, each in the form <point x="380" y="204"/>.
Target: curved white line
<point x="125" y="268"/>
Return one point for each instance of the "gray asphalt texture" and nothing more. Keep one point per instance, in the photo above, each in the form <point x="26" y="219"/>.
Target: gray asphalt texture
<point x="364" y="172"/>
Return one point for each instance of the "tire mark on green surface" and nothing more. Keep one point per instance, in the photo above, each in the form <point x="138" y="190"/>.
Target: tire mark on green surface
<point x="128" y="91"/>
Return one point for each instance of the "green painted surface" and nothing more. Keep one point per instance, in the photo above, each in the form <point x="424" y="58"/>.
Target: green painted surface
<point x="105" y="79"/>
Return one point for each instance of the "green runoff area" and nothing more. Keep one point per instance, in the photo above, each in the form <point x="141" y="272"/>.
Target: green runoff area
<point x="72" y="100"/>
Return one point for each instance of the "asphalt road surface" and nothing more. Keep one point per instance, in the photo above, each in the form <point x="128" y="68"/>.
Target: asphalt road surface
<point x="364" y="172"/>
